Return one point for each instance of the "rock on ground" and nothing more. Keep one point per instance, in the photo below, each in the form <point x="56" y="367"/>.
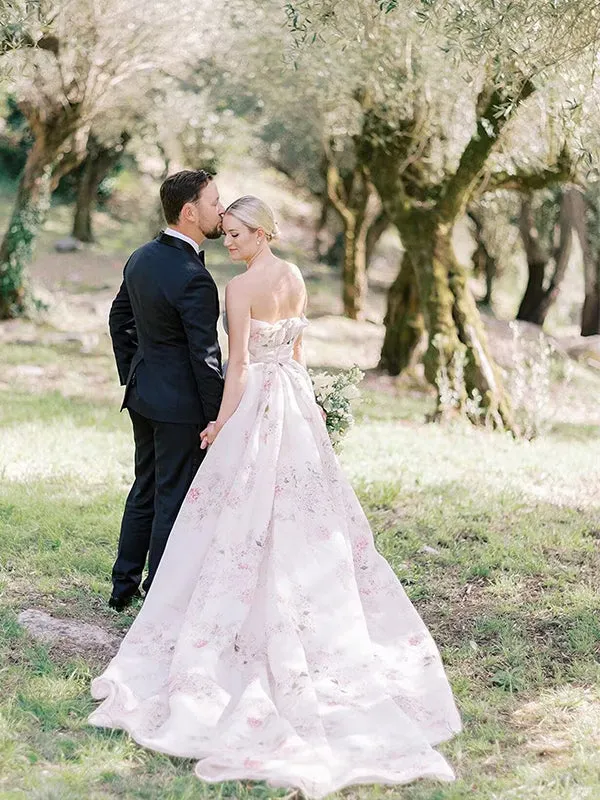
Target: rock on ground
<point x="68" y="245"/>
<point x="68" y="633"/>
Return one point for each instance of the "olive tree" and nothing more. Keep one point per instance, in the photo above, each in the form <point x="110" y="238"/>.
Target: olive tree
<point x="457" y="98"/>
<point x="107" y="57"/>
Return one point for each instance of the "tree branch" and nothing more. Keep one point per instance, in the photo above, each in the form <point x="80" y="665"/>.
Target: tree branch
<point x="568" y="211"/>
<point x="561" y="172"/>
<point x="530" y="235"/>
<point x="378" y="147"/>
<point x="13" y="38"/>
<point x="490" y="122"/>
<point x="334" y="184"/>
<point x="336" y="188"/>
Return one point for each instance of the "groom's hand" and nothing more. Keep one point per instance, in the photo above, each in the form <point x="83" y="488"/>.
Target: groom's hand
<point x="208" y="435"/>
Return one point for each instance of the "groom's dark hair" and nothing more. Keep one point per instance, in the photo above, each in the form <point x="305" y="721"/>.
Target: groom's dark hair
<point x="181" y="188"/>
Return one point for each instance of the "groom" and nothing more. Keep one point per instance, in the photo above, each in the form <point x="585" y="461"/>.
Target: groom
<point x="163" y="326"/>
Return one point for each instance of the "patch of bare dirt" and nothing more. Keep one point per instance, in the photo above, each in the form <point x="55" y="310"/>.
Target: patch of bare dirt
<point x="71" y="636"/>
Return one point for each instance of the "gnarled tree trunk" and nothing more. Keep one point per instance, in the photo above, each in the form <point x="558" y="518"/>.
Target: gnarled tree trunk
<point x="425" y="211"/>
<point x="590" y="313"/>
<point x="55" y="151"/>
<point x="425" y="221"/>
<point x="28" y="217"/>
<point x="355" y="200"/>
<point x="403" y="321"/>
<point x="99" y="161"/>
<point x="483" y="261"/>
<point x="457" y="339"/>
<point x="543" y="289"/>
<point x="378" y="227"/>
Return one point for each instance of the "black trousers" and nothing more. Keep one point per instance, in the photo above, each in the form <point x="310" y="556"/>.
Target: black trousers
<point x="167" y="457"/>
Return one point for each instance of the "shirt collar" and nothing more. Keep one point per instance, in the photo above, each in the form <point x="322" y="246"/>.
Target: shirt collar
<point x="178" y="235"/>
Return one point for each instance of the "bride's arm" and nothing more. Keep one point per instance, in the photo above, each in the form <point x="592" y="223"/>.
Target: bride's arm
<point x="238" y="322"/>
<point x="299" y="351"/>
<point x="236" y="377"/>
<point x="299" y="355"/>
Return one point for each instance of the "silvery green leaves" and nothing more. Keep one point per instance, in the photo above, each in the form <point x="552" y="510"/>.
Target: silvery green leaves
<point x="335" y="393"/>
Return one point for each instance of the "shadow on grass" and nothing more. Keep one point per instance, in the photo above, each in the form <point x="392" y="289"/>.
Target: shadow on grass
<point x="573" y="431"/>
<point x="509" y="590"/>
<point x="21" y="406"/>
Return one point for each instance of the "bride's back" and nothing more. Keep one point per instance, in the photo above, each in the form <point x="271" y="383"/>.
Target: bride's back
<point x="276" y="291"/>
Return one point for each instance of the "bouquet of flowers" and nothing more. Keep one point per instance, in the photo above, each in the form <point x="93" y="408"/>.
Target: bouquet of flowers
<point x="334" y="393"/>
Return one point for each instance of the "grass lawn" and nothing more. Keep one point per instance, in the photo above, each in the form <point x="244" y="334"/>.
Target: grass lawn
<point x="496" y="541"/>
<point x="507" y="582"/>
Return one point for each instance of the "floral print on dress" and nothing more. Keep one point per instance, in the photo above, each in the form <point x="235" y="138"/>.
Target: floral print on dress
<point x="276" y="644"/>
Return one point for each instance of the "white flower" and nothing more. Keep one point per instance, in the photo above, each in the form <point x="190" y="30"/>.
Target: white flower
<point x="334" y="393"/>
<point x="322" y="383"/>
<point x="350" y="392"/>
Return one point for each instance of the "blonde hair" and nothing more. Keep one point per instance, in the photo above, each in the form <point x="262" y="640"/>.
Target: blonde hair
<point x="254" y="213"/>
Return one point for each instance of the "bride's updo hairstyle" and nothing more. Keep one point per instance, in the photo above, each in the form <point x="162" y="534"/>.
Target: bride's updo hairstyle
<point x="254" y="213"/>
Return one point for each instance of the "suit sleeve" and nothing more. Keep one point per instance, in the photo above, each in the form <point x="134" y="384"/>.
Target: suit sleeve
<point x="123" y="333"/>
<point x="199" y="310"/>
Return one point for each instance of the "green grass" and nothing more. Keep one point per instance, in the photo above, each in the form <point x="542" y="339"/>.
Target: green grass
<point x="20" y="406"/>
<point x="510" y="593"/>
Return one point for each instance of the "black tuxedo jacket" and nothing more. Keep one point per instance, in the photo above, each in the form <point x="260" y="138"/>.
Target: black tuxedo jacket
<point x="163" y="326"/>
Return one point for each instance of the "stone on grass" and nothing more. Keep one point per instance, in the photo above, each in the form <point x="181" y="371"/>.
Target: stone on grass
<point x="431" y="551"/>
<point x="70" y="634"/>
<point x="548" y="746"/>
<point x="68" y="245"/>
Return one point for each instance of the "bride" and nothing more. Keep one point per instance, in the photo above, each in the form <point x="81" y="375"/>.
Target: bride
<point x="276" y="644"/>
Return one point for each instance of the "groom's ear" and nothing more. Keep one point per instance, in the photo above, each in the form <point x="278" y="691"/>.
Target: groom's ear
<point x="187" y="212"/>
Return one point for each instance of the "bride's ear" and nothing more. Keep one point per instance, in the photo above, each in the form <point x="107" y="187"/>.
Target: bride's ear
<point x="260" y="234"/>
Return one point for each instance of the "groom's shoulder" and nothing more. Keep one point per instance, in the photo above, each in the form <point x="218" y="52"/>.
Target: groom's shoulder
<point x="153" y="248"/>
<point x="146" y="252"/>
<point x="155" y="254"/>
<point x="183" y="266"/>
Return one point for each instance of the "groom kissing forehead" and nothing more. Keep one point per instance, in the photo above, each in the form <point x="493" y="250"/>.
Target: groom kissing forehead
<point x="163" y="325"/>
<point x="191" y="204"/>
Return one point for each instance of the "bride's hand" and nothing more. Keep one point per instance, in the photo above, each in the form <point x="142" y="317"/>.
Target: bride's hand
<point x="208" y="435"/>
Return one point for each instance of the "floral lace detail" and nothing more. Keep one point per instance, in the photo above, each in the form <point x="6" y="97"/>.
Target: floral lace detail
<point x="276" y="643"/>
<point x="274" y="343"/>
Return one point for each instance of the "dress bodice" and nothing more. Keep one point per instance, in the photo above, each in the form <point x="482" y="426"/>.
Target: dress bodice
<point x="272" y="342"/>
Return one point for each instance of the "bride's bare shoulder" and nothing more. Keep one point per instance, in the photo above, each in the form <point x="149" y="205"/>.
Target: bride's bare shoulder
<point x="294" y="269"/>
<point x="237" y="282"/>
<point x="236" y="289"/>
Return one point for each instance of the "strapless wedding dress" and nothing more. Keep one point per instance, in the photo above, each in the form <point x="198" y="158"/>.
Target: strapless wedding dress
<point x="276" y="644"/>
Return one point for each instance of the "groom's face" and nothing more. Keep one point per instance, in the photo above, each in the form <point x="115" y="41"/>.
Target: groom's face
<point x="207" y="212"/>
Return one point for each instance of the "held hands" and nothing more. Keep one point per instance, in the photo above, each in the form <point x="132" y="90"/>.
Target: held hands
<point x="208" y="435"/>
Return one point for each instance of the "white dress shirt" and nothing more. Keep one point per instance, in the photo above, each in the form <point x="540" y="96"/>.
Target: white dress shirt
<point x="178" y="235"/>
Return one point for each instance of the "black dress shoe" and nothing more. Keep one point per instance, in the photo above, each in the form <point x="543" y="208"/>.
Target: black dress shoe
<point x="121" y="603"/>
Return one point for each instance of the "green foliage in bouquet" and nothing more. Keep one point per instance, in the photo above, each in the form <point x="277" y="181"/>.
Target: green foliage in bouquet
<point x="334" y="393"/>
